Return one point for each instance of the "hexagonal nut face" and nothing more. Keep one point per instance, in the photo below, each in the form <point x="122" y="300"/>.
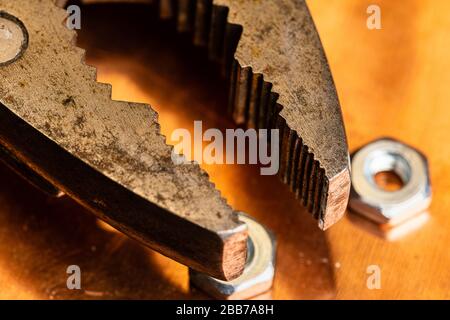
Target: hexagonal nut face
<point x="389" y="207"/>
<point x="258" y="274"/>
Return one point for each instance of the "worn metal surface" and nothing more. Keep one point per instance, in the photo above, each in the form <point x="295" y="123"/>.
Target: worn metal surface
<point x="40" y="237"/>
<point x="279" y="78"/>
<point x="110" y="156"/>
<point x="279" y="41"/>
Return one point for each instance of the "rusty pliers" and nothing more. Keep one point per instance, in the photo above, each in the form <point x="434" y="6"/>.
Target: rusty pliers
<point x="60" y="128"/>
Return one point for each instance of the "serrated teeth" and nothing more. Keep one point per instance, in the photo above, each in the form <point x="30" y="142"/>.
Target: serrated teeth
<point x="242" y="94"/>
<point x="92" y="72"/>
<point x="299" y="169"/>
<point x="315" y="207"/>
<point x="255" y="101"/>
<point x="203" y="12"/>
<point x="252" y="103"/>
<point x="186" y="15"/>
<point x="217" y="33"/>
<point x="266" y="100"/>
<point x="105" y="89"/>
<point x="286" y="138"/>
<point x="167" y="9"/>
<point x="233" y="34"/>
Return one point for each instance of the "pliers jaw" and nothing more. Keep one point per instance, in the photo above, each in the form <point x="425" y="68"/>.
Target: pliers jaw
<point x="58" y="124"/>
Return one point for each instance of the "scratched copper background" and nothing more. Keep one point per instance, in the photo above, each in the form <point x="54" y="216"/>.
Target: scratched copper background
<point x="148" y="62"/>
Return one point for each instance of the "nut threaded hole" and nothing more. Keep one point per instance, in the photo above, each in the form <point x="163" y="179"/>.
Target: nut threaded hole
<point x="388" y="171"/>
<point x="388" y="181"/>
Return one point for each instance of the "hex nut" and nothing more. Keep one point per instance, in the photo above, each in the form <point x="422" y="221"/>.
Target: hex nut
<point x="389" y="207"/>
<point x="13" y="38"/>
<point x="258" y="274"/>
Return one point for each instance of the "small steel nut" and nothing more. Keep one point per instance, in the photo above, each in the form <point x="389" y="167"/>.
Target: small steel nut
<point x="258" y="274"/>
<point x="389" y="207"/>
<point x="13" y="38"/>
